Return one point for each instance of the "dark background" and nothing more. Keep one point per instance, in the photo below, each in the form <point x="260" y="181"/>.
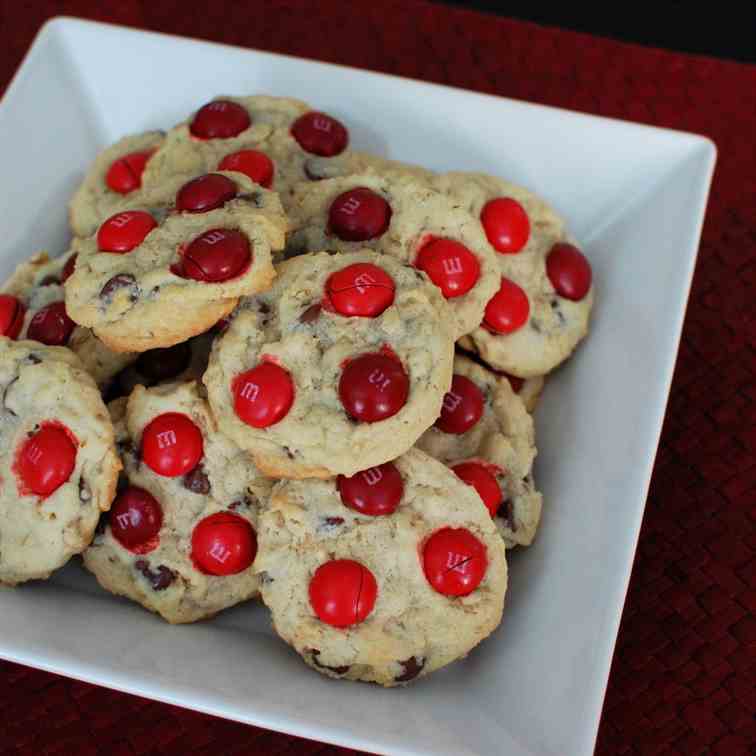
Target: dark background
<point x="724" y="29"/>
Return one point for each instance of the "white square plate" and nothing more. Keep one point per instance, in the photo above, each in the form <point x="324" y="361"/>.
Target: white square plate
<point x="635" y="197"/>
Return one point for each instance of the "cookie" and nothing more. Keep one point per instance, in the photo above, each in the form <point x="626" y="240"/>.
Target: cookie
<point x="182" y="362"/>
<point x="384" y="577"/>
<point x="275" y="141"/>
<point x="58" y="464"/>
<point x="116" y="173"/>
<point x="485" y="434"/>
<point x="173" y="264"/>
<point x="401" y="216"/>
<point x="180" y="539"/>
<point x="34" y="294"/>
<point x="341" y="365"/>
<point x="542" y="308"/>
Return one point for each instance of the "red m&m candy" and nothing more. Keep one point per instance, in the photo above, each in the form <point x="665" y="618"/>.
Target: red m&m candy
<point x="217" y="255"/>
<point x="122" y="232"/>
<point x="373" y="387"/>
<point x="252" y="163"/>
<point x="135" y="520"/>
<point x="223" y="544"/>
<point x="450" y="265"/>
<point x="46" y="460"/>
<point x="454" y="561"/>
<point x="172" y="444"/>
<point x="462" y="406"/>
<point x="569" y="271"/>
<point x="263" y="395"/>
<point x="12" y="312"/>
<point x="508" y="310"/>
<point x="376" y="491"/>
<point x="125" y="174"/>
<point x="359" y="214"/>
<point x="320" y="134"/>
<point x="51" y="325"/>
<point x="361" y="290"/>
<point x="483" y="481"/>
<point x="506" y="224"/>
<point x="342" y="592"/>
<point x="205" y="193"/>
<point x="221" y="119"/>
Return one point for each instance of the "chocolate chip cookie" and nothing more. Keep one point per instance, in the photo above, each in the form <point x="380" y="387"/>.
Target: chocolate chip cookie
<point x="275" y="141"/>
<point x="58" y="464"/>
<point x="384" y="577"/>
<point x="341" y="365"/>
<point x="180" y="538"/>
<point x="173" y="264"/>
<point x="541" y="310"/>
<point x="401" y="216"/>
<point x="34" y="307"/>
<point x="485" y="434"/>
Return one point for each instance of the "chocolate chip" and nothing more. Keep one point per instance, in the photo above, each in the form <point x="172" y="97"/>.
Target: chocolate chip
<point x="160" y="579"/>
<point x="32" y="359"/>
<point x="289" y="452"/>
<point x="121" y="281"/>
<point x="197" y="481"/>
<point x="49" y="281"/>
<point x="263" y="308"/>
<point x="554" y="304"/>
<point x="314" y="653"/>
<point x="85" y="495"/>
<point x="311" y="314"/>
<point x="162" y="364"/>
<point x="412" y="668"/>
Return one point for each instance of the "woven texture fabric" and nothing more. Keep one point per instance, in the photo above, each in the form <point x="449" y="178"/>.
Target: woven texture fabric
<point x="683" y="676"/>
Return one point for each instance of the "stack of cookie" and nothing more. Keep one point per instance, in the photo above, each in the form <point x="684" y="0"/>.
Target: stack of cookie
<point x="318" y="367"/>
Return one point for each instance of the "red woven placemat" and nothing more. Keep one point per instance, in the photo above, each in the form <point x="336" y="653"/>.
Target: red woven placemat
<point x="683" y="674"/>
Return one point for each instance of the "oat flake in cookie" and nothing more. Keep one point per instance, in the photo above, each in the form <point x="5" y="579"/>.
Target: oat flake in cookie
<point x="171" y="265"/>
<point x="58" y="465"/>
<point x="33" y="300"/>
<point x="116" y="173"/>
<point x="180" y="539"/>
<point x="400" y="215"/>
<point x="384" y="577"/>
<point x="340" y="366"/>
<point x="485" y="434"/>
<point x="541" y="310"/>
